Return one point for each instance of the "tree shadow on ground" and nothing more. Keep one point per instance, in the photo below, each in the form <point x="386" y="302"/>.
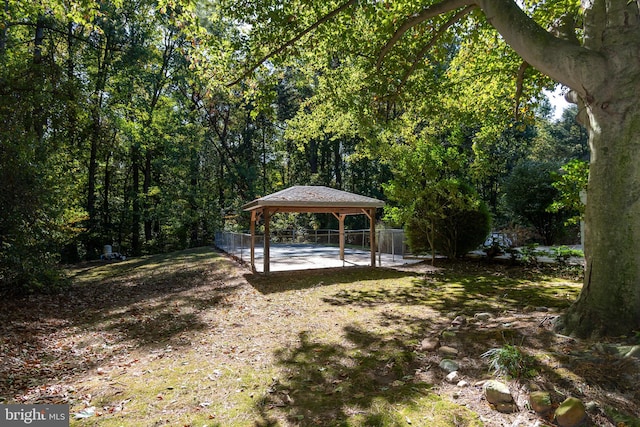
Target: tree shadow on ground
<point x="366" y="381"/>
<point x="465" y="295"/>
<point x="153" y="302"/>
<point x="284" y="281"/>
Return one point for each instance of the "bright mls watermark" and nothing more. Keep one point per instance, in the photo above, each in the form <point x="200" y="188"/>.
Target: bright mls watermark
<point x="34" y="415"/>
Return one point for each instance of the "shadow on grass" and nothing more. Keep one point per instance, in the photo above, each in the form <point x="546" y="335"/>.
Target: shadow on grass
<point x="149" y="302"/>
<point x="465" y="294"/>
<point x="113" y="270"/>
<point x="369" y="380"/>
<point x="284" y="281"/>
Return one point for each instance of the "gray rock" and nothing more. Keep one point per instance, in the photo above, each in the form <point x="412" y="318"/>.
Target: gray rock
<point x="459" y="321"/>
<point x="506" y="408"/>
<point x="540" y="401"/>
<point x="482" y="316"/>
<point x="497" y="392"/>
<point x="570" y="413"/>
<point x="449" y="365"/>
<point x="452" y="377"/>
<point x="591" y="406"/>
<point x="448" y="351"/>
<point x="462" y="384"/>
<point x="429" y="344"/>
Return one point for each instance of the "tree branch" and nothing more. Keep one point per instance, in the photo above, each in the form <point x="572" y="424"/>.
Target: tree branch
<point x="292" y="41"/>
<point x="562" y="60"/>
<point x="519" y="89"/>
<point x="457" y="17"/>
<point x="428" y="13"/>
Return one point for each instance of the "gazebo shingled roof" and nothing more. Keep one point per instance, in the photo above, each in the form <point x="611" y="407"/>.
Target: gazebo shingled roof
<point x="312" y="199"/>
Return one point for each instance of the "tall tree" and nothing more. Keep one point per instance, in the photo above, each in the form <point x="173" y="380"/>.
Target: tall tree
<point x="599" y="65"/>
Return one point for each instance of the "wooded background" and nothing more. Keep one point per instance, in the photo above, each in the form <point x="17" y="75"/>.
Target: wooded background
<point x="147" y="124"/>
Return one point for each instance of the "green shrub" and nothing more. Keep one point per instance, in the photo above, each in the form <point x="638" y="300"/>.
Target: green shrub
<point x="529" y="193"/>
<point x="26" y="270"/>
<point x="462" y="225"/>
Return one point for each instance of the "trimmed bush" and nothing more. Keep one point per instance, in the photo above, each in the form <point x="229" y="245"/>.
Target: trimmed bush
<point x="461" y="225"/>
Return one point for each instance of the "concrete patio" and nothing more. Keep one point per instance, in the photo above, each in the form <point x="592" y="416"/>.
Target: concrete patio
<point x="286" y="257"/>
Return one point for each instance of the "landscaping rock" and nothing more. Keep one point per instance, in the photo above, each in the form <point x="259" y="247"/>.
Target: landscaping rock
<point x="448" y="351"/>
<point x="497" y="392"/>
<point x="449" y="365"/>
<point x="483" y="316"/>
<point x="591" y="406"/>
<point x="462" y="384"/>
<point x="448" y="334"/>
<point x="540" y="401"/>
<point x="452" y="377"/>
<point x="429" y="344"/>
<point x="570" y="413"/>
<point x="459" y="321"/>
<point x="505" y="408"/>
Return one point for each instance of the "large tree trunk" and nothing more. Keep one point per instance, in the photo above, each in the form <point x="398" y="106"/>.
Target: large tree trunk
<point x="609" y="303"/>
<point x="604" y="76"/>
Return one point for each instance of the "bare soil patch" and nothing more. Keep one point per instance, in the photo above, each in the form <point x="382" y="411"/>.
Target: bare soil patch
<point x="192" y="338"/>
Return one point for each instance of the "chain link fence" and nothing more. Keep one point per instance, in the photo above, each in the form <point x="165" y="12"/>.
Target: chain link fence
<point x="388" y="241"/>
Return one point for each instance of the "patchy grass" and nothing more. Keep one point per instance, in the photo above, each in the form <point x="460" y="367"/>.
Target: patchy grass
<point x="192" y="339"/>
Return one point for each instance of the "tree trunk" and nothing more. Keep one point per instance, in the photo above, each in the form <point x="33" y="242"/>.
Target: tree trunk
<point x="337" y="163"/>
<point x="92" y="245"/>
<point x="146" y="186"/>
<point x="106" y="214"/>
<point x="136" y="213"/>
<point x="609" y="303"/>
<point x="603" y="74"/>
<point x="38" y="40"/>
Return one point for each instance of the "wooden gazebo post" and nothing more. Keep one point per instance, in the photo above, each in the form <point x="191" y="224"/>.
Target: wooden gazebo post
<point x="254" y="218"/>
<point x="371" y="214"/>
<point x="340" y="217"/>
<point x="267" y="242"/>
<point x="311" y="199"/>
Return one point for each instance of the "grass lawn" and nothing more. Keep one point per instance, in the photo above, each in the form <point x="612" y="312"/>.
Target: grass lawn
<point x="193" y="339"/>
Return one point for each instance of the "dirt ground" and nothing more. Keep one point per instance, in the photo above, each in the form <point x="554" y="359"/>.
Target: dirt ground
<point x="114" y="326"/>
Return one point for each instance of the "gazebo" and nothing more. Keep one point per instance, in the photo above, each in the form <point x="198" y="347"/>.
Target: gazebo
<point x="311" y="199"/>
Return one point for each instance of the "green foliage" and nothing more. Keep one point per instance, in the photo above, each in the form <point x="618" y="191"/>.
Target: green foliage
<point x="459" y="228"/>
<point x="509" y="360"/>
<point x="620" y="418"/>
<point x="529" y="253"/>
<point x="561" y="140"/>
<point x="120" y="127"/>
<point x="440" y="211"/>
<point x="563" y="253"/>
<point x="529" y="192"/>
<point x="571" y="186"/>
<point x="27" y="268"/>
